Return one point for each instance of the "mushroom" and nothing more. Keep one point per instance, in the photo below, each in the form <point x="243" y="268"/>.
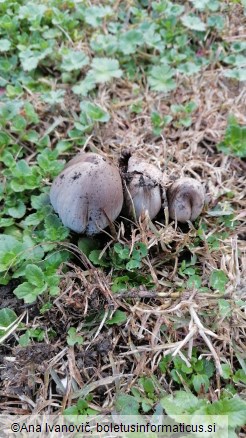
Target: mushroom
<point x="88" y="194"/>
<point x="185" y="199"/>
<point x="143" y="192"/>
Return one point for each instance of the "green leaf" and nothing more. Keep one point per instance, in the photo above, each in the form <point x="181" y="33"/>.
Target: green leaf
<point x="177" y="109"/>
<point x="31" y="114"/>
<point x="126" y="405"/>
<point x="190" y="107"/>
<point x="18" y="124"/>
<point x="71" y="410"/>
<point x="181" y="403"/>
<point x="24" y="340"/>
<point x="185" y="369"/>
<point x="208" y="367"/>
<point x="94" y="112"/>
<point x="189" y="271"/>
<point x="137" y="107"/>
<point x="7" y="317"/>
<point x="130" y="40"/>
<point x="5" y="140"/>
<point x="161" y="79"/>
<point x="200" y="4"/>
<point x="104" y="43"/>
<point x="234" y="142"/>
<point x="218" y="280"/>
<point x="133" y="264"/>
<point x="224" y="308"/>
<point x="31" y="58"/>
<point x="140" y="251"/>
<point x="235" y="408"/>
<point x="238" y="60"/>
<point x="189" y="68"/>
<point x="18" y="211"/>
<point x="4" y="45"/>
<point x="239" y="376"/>
<point x="236" y="73"/>
<point x="6" y="222"/>
<point x="37" y="333"/>
<point x="213" y="5"/>
<point x="238" y="46"/>
<point x="82" y="405"/>
<point x="31" y="250"/>
<point x="14" y="91"/>
<point x="147" y="384"/>
<point x="55" y="231"/>
<point x="73" y="338"/>
<point x="95" y="14"/>
<point x="33" y="219"/>
<point x="32" y="12"/>
<point x="31" y="136"/>
<point x="27" y="292"/>
<point x="226" y="371"/>
<point x="200" y="381"/>
<point x="54" y="291"/>
<point x="54" y="97"/>
<point x="10" y="248"/>
<point x="48" y="162"/>
<point x="87" y="245"/>
<point x="194" y="281"/>
<point x="39" y="201"/>
<point x="216" y="21"/>
<point x="96" y="259"/>
<point x="193" y="22"/>
<point x="147" y="405"/>
<point x="159" y="122"/>
<point x="35" y="275"/>
<point x="63" y="146"/>
<point x="118" y="317"/>
<point x="104" y="69"/>
<point x="74" y="60"/>
<point x="120" y="283"/>
<point x="123" y="252"/>
<point x="86" y="85"/>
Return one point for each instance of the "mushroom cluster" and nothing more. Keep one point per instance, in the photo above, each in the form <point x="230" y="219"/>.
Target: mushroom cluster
<point x="88" y="195"/>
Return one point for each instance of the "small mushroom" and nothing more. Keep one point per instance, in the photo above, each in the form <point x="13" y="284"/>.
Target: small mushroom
<point x="88" y="194"/>
<point x="143" y="192"/>
<point x="185" y="199"/>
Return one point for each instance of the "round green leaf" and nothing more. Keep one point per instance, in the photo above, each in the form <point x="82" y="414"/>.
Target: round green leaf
<point x="7" y="317"/>
<point x="4" y="45"/>
<point x="18" y="211"/>
<point x="218" y="280"/>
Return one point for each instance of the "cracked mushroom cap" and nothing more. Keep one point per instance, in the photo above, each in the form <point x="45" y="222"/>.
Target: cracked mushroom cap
<point x="185" y="199"/>
<point x="143" y="184"/>
<point x="88" y="193"/>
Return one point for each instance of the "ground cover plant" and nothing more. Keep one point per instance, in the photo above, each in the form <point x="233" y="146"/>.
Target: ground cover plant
<point x="152" y="318"/>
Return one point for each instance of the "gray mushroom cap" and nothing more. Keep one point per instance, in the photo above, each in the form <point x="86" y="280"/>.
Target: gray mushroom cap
<point x="185" y="199"/>
<point x="143" y="185"/>
<point x="88" y="194"/>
